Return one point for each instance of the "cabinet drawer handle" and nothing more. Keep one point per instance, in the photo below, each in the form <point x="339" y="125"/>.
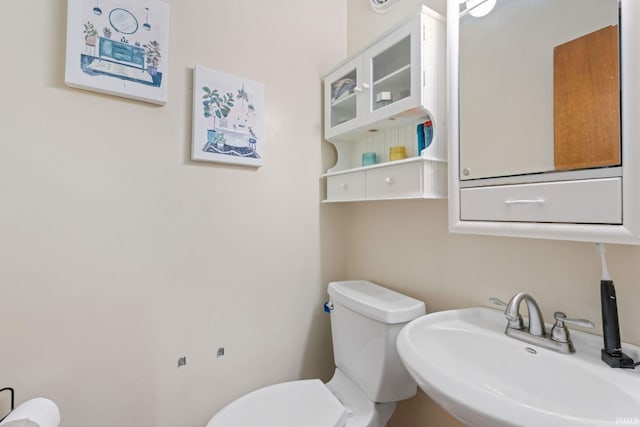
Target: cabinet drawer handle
<point x="343" y="186"/>
<point x="525" y="202"/>
<point x="388" y="180"/>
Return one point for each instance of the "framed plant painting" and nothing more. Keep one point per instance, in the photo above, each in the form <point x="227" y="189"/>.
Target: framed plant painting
<point x="228" y="118"/>
<point x="119" y="47"/>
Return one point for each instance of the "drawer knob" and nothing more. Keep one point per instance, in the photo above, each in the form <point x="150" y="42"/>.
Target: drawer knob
<point x="343" y="186"/>
<point x="524" y="202"/>
<point x="388" y="180"/>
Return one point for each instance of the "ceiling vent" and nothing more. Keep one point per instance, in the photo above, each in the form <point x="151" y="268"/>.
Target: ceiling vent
<point x="382" y="6"/>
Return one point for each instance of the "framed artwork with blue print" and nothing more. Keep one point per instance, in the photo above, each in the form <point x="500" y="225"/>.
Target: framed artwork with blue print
<point x="119" y="47"/>
<point x="228" y="118"/>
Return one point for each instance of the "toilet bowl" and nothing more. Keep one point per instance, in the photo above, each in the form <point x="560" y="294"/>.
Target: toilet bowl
<point x="369" y="377"/>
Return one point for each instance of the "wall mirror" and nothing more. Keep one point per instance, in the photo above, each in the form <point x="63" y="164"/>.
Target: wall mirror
<point x="543" y="118"/>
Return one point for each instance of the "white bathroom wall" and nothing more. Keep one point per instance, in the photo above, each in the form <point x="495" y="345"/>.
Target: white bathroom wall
<point x="118" y="254"/>
<point x="405" y="245"/>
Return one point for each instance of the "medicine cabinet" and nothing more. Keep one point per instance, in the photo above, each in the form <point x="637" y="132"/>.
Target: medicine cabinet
<point x="543" y="119"/>
<point x="375" y="99"/>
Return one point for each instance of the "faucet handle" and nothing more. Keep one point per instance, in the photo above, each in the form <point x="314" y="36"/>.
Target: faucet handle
<point x="562" y="318"/>
<point x="497" y="301"/>
<point x="560" y="332"/>
<point x="515" y="321"/>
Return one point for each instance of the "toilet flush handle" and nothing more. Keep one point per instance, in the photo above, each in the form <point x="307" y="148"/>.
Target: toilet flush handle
<point x="328" y="306"/>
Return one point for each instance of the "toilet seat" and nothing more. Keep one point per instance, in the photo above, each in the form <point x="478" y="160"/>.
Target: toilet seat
<point x="306" y="403"/>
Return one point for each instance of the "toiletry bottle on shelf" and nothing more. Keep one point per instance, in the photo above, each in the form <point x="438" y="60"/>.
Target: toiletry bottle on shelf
<point x="420" y="130"/>
<point x="425" y="135"/>
<point x="428" y="133"/>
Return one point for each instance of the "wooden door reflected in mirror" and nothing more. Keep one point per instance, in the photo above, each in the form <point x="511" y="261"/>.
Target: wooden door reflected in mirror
<point x="587" y="101"/>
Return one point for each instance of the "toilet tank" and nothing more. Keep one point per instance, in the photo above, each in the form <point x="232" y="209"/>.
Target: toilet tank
<point x="365" y="322"/>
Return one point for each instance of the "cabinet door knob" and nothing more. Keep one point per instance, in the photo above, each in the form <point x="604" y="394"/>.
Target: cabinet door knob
<point x="357" y="89"/>
<point x="388" y="180"/>
<point x="365" y="85"/>
<point x="343" y="186"/>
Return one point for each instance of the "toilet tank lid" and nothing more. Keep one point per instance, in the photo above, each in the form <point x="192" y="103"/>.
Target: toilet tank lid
<point x="376" y="302"/>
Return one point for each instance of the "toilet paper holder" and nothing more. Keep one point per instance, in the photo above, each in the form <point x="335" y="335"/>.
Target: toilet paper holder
<point x="9" y="389"/>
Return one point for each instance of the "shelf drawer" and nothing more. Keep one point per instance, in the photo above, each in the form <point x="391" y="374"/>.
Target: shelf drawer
<point x="346" y="186"/>
<point x="403" y="180"/>
<point x="593" y="201"/>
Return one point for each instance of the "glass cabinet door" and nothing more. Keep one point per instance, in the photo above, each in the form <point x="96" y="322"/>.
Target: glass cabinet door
<point x="393" y="69"/>
<point x="391" y="74"/>
<point x="342" y="105"/>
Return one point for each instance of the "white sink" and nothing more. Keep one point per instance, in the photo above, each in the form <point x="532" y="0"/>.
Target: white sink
<point x="465" y="362"/>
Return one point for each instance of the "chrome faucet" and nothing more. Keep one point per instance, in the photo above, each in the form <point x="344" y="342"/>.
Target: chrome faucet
<point x="535" y="333"/>
<point x="512" y="312"/>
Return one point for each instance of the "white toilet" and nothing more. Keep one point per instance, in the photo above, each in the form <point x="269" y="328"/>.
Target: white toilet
<point x="369" y="378"/>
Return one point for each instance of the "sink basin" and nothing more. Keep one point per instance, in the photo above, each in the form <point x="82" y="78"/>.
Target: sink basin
<point x="465" y="362"/>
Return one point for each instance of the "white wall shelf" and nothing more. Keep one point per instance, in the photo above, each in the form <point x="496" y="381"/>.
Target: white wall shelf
<point x="408" y="61"/>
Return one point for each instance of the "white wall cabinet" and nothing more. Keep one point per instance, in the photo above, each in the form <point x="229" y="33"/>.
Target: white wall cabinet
<point x="375" y="100"/>
<point x="600" y="204"/>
